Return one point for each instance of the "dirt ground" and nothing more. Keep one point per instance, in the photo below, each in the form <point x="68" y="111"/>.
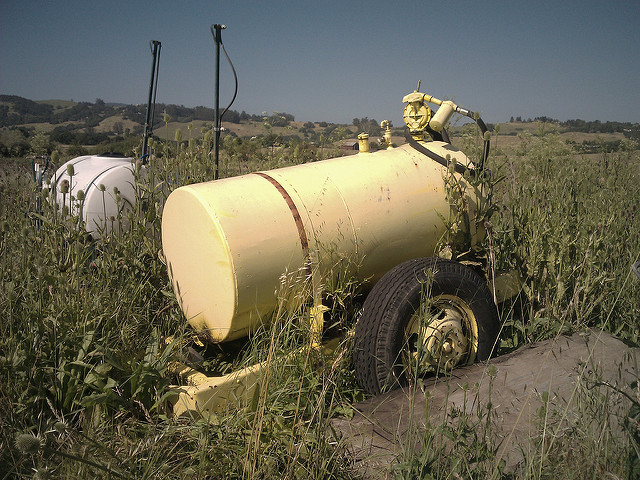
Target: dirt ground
<point x="554" y="370"/>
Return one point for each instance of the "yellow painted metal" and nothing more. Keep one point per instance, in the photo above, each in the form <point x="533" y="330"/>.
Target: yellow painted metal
<point x="506" y="285"/>
<point x="204" y="394"/>
<point x="363" y="143"/>
<point x="228" y="243"/>
<point x="386" y="137"/>
<point x="447" y="334"/>
<point x="417" y="114"/>
<point x="442" y="116"/>
<point x="318" y="309"/>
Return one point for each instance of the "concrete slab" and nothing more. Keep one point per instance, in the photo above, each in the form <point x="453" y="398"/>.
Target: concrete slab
<point x="389" y="425"/>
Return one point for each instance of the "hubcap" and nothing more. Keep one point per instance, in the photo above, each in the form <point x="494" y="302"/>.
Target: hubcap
<point x="441" y="335"/>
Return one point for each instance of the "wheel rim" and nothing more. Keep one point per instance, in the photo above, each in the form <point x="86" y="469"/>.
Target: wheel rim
<point x="440" y="336"/>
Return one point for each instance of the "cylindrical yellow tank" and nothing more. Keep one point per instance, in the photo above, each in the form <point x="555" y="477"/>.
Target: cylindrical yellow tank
<point x="228" y="242"/>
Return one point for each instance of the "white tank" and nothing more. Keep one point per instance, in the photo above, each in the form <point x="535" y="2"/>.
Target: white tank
<point x="99" y="177"/>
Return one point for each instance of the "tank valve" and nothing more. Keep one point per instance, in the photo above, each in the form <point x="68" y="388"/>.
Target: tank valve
<point x="416" y="114"/>
<point x="363" y="142"/>
<point x="386" y="137"/>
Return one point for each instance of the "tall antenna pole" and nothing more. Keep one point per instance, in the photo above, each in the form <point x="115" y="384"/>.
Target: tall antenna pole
<point x="147" y="124"/>
<point x="217" y="37"/>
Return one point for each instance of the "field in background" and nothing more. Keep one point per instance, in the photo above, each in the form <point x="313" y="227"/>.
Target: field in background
<point x="90" y="331"/>
<point x="76" y="128"/>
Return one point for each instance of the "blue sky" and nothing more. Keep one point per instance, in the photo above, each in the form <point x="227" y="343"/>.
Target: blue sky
<point x="333" y="60"/>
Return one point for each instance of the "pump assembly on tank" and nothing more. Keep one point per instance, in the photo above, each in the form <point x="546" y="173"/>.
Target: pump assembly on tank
<point x="229" y="243"/>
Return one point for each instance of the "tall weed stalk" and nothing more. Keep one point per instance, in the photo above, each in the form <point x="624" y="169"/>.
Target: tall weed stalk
<point x="89" y="330"/>
<point x="569" y="223"/>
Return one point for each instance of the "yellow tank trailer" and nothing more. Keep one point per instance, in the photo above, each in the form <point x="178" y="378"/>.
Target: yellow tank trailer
<point x="228" y="242"/>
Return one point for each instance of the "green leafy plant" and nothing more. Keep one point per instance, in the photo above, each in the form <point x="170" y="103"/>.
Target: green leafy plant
<point x="83" y="339"/>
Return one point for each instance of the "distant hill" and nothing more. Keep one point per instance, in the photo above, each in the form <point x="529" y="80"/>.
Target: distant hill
<point x="16" y="111"/>
<point x="76" y="125"/>
<point x="83" y="124"/>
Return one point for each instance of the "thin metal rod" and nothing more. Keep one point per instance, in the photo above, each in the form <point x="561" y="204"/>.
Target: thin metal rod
<point x="147" y="124"/>
<point x="217" y="37"/>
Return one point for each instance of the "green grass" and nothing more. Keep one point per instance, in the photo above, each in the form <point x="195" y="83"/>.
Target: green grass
<point x="570" y="224"/>
<point x="85" y="361"/>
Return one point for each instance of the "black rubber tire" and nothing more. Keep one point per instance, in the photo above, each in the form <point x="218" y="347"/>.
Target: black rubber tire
<point x="380" y="330"/>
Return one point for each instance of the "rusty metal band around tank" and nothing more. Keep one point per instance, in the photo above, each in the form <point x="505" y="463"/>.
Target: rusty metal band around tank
<point x="294" y="212"/>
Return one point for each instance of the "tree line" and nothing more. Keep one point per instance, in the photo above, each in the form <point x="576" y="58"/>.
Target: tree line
<point x="75" y="123"/>
<point x="16" y="110"/>
<point x="584" y="126"/>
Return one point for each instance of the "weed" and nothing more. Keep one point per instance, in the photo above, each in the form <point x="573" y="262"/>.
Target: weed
<point x="567" y="223"/>
<point x="459" y="444"/>
<point x="84" y="357"/>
